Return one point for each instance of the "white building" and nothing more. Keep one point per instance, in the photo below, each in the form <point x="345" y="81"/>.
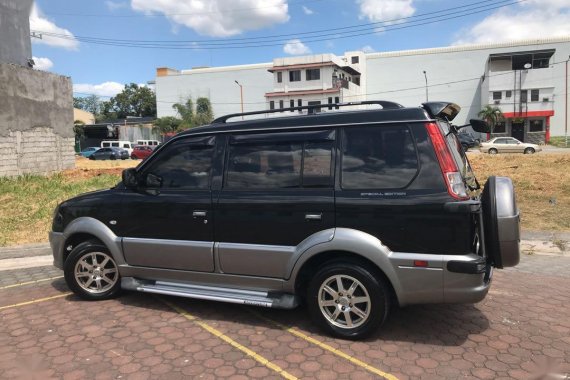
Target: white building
<point x="532" y="98"/>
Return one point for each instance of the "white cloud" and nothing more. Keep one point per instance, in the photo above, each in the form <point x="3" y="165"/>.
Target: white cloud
<point x="536" y="19"/>
<point x="218" y="18"/>
<point x="307" y="10"/>
<point x="296" y="47"/>
<point x="114" y="5"/>
<point x="42" y="63"/>
<point x="367" y="49"/>
<point x="40" y="24"/>
<point x="104" y="89"/>
<point x="385" y="10"/>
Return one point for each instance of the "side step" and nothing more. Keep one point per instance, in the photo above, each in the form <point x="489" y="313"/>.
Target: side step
<point x="211" y="293"/>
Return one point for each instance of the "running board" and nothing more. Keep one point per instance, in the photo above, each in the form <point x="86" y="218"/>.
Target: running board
<point x="211" y="293"/>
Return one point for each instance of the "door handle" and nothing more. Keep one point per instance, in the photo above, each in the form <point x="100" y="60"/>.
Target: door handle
<point x="318" y="216"/>
<point x="199" y="214"/>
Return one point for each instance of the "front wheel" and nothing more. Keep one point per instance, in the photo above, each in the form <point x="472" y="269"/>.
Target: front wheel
<point x="529" y="151"/>
<point x="493" y="151"/>
<point x="91" y="272"/>
<point x="347" y="300"/>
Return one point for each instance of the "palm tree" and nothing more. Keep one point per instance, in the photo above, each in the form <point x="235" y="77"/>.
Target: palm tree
<point x="492" y="115"/>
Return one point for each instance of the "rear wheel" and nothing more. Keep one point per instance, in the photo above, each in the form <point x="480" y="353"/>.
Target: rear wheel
<point x="347" y="300"/>
<point x="91" y="272"/>
<point x="493" y="151"/>
<point x="529" y="151"/>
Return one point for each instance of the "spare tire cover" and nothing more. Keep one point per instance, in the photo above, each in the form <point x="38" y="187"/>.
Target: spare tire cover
<point x="501" y="218"/>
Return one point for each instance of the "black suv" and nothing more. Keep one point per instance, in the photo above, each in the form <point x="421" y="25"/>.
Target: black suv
<point x="350" y="212"/>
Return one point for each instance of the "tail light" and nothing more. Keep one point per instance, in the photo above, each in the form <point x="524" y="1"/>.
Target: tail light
<point x="451" y="175"/>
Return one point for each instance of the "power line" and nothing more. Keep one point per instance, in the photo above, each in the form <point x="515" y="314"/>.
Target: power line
<point x="253" y="41"/>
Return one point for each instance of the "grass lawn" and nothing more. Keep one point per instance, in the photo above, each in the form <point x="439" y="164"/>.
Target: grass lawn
<point x="559" y="141"/>
<point x="542" y="183"/>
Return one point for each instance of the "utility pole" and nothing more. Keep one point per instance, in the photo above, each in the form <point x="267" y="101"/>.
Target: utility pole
<point x="427" y="97"/>
<point x="566" y="108"/>
<point x="240" y="96"/>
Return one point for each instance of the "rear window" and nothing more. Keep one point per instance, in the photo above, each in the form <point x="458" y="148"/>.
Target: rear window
<point x="378" y="157"/>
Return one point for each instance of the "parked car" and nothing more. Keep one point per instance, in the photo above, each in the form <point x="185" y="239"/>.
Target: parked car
<point x="508" y="145"/>
<point x="140" y="152"/>
<point x="352" y="213"/>
<point x="88" y="151"/>
<point x="467" y="140"/>
<point x="127" y="145"/>
<point x="152" y="143"/>
<point x="109" y="154"/>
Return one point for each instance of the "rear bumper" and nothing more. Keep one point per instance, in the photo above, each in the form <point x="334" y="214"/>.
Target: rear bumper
<point x="446" y="279"/>
<point x="56" y="241"/>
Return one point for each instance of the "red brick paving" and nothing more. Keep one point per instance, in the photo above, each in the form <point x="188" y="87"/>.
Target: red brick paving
<point x="521" y="328"/>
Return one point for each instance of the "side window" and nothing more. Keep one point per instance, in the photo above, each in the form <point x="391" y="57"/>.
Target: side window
<point x="181" y="166"/>
<point x="267" y="166"/>
<point x="378" y="157"/>
<point x="317" y="164"/>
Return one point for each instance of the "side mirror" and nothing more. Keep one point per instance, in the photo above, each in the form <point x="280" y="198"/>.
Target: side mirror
<point x="130" y="178"/>
<point x="480" y="126"/>
<point x="153" y="181"/>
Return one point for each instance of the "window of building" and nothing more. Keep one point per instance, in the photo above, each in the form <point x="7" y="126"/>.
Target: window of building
<point x="313" y="74"/>
<point x="524" y="96"/>
<point x="272" y="105"/>
<point x="336" y="100"/>
<point x="497" y="95"/>
<point x="279" y="76"/>
<point x="378" y="158"/>
<point x="278" y="165"/>
<point x="357" y="81"/>
<point x="520" y="60"/>
<point x="541" y="60"/>
<point x="314" y="109"/>
<point x="292" y="104"/>
<point x="508" y="94"/>
<point x="534" y="95"/>
<point x="281" y="105"/>
<point x="500" y="127"/>
<point x="536" y="126"/>
<point x="354" y="59"/>
<point x="330" y="100"/>
<point x="181" y="166"/>
<point x="295" y="76"/>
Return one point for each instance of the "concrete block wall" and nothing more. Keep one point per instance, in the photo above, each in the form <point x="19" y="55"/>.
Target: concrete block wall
<point x="36" y="122"/>
<point x="39" y="150"/>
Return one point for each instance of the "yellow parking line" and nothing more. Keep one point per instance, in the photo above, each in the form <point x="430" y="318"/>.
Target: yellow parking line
<point x="34" y="301"/>
<point x="29" y="282"/>
<point x="233" y="343"/>
<point x="326" y="347"/>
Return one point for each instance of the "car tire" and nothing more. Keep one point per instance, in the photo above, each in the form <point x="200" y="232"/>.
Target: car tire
<point x="493" y="151"/>
<point x="529" y="151"/>
<point x="334" y="309"/>
<point x="91" y="272"/>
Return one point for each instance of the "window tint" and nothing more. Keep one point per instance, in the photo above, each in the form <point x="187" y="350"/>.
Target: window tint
<point x="378" y="157"/>
<point x="264" y="166"/>
<point x="183" y="166"/>
<point x="317" y="164"/>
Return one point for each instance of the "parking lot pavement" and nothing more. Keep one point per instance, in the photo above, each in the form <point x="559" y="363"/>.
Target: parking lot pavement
<point x="519" y="330"/>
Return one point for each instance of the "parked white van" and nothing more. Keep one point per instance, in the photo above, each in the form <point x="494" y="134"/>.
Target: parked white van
<point x="152" y="143"/>
<point x="127" y="145"/>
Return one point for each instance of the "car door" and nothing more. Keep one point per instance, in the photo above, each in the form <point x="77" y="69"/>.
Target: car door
<point x="277" y="191"/>
<point x="167" y="221"/>
<point x="501" y="145"/>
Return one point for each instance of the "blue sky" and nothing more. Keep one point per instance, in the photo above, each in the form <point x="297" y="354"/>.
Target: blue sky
<point x="386" y="25"/>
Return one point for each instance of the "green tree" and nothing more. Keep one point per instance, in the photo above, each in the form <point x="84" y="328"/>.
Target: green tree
<point x="90" y="103"/>
<point x="204" y="113"/>
<point x="167" y="124"/>
<point x="134" y="100"/>
<point x="492" y="115"/>
<point x="186" y="112"/>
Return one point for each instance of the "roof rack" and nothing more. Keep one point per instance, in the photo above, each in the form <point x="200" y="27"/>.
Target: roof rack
<point x="384" y="103"/>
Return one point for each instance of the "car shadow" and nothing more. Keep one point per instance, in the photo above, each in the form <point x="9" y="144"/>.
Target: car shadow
<point x="439" y="325"/>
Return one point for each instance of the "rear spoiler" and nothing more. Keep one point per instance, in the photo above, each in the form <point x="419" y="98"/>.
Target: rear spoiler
<point x="441" y="110"/>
